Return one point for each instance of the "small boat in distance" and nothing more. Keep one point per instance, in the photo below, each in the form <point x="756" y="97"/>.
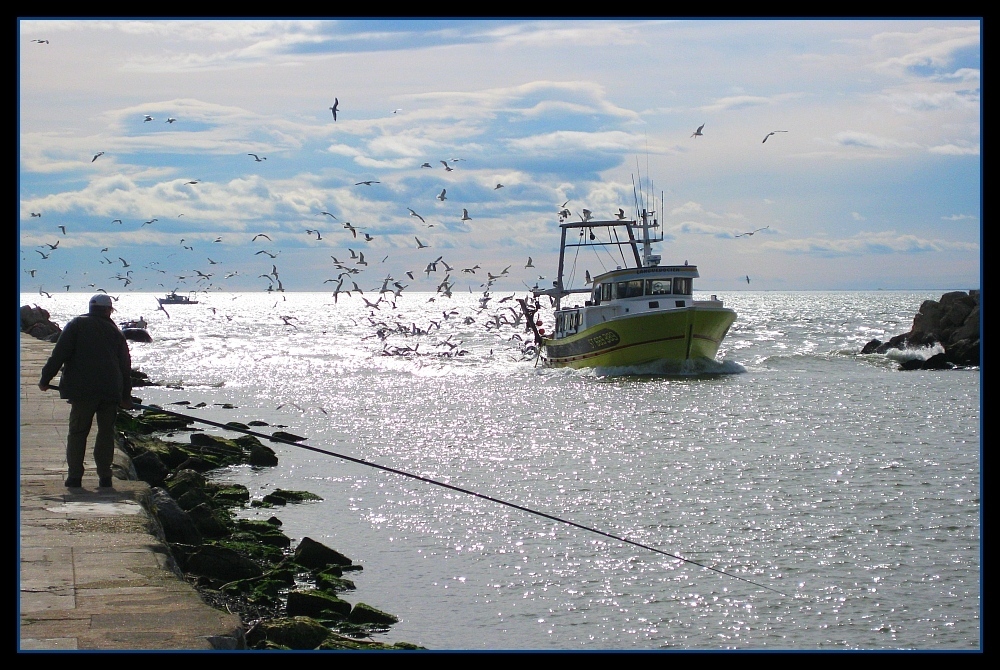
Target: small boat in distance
<point x="636" y="315"/>
<point x="135" y="331"/>
<point x="173" y="299"/>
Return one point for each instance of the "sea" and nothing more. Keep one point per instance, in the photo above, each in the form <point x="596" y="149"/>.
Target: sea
<point x="794" y="494"/>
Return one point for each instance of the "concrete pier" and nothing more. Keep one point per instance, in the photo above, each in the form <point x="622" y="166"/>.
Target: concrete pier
<point x="94" y="574"/>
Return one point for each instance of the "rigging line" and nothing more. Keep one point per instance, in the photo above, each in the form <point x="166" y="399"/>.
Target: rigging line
<point x="635" y="197"/>
<point x="572" y="272"/>
<point x="621" y="251"/>
<point x="458" y="489"/>
<point x="597" y="249"/>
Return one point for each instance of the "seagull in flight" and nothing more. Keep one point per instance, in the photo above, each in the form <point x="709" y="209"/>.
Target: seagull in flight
<point x="336" y="104"/>
<point x="96" y="156"/>
<point x="497" y="186"/>
<point x="748" y="279"/>
<point x="368" y="183"/>
<point x="447" y="167"/>
<point x="36" y="213"/>
<point x="261" y="235"/>
<point x="420" y="245"/>
<point x="528" y="264"/>
<point x="698" y="132"/>
<point x="427" y="165"/>
<point x="412" y="213"/>
<point x="748" y="234"/>
<point x="170" y="119"/>
<point x="328" y="214"/>
<point x="586" y="216"/>
<point x="148" y="118"/>
<point x="620" y="214"/>
<point x="772" y="133"/>
<point x="441" y="195"/>
<point x="258" y="158"/>
<point x="465" y="215"/>
<point x="40" y="41"/>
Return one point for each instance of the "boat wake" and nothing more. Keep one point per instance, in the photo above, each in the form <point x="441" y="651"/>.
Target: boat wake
<point x="695" y="367"/>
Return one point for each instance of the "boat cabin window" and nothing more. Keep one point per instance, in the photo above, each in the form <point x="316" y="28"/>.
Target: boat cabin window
<point x="629" y="289"/>
<point x="682" y="285"/>
<point x="658" y="287"/>
<point x="568" y="322"/>
<point x="606" y="291"/>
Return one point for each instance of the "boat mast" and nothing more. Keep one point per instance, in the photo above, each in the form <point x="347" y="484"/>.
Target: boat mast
<point x="559" y="275"/>
<point x="646" y="251"/>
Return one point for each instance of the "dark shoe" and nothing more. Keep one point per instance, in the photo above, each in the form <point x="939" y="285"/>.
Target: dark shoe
<point x="74" y="482"/>
<point x="105" y="482"/>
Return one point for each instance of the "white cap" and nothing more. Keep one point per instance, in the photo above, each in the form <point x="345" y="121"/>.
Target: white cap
<point x="101" y="300"/>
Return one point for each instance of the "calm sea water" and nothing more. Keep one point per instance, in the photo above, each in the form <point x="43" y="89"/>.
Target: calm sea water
<point x="851" y="488"/>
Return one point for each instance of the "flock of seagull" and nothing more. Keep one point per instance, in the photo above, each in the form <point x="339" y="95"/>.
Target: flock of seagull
<point x="357" y="262"/>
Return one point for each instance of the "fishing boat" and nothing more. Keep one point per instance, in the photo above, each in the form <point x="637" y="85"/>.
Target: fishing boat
<point x="135" y="331"/>
<point x="637" y="314"/>
<point x="173" y="299"/>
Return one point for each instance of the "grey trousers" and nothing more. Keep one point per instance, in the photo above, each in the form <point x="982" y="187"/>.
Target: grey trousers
<point x="81" y="418"/>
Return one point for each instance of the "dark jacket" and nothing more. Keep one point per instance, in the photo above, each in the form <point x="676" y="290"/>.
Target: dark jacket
<point x="94" y="358"/>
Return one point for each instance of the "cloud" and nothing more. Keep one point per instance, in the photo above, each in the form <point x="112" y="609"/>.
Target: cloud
<point x="955" y="150"/>
<point x="933" y="47"/>
<point x="959" y="217"/>
<point x="869" y="141"/>
<point x="857" y="217"/>
<point x="561" y="141"/>
<point x="698" y="228"/>
<point x="736" y="102"/>
<point x="862" y="244"/>
<point x="920" y="101"/>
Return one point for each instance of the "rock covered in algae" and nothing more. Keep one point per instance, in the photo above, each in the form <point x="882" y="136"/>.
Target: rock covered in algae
<point x="316" y="555"/>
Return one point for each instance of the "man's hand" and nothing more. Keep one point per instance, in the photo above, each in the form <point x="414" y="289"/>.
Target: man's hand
<point x="44" y="387"/>
<point x="125" y="404"/>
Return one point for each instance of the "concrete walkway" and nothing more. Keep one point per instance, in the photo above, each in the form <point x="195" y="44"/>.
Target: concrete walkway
<point x="94" y="574"/>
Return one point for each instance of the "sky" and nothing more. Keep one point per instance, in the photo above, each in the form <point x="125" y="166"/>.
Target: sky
<point x="137" y="173"/>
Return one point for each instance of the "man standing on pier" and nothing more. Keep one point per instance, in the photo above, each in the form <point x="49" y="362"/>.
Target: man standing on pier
<point x="96" y="380"/>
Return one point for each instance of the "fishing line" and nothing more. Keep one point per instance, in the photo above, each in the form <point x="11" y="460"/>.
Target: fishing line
<point x="458" y="489"/>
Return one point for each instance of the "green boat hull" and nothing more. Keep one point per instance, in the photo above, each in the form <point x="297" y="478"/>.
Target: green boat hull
<point x="669" y="335"/>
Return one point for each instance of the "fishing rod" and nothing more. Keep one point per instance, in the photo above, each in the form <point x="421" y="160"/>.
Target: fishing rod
<point x="452" y="487"/>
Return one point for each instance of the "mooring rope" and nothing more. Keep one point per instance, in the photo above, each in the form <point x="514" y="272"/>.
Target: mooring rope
<point x="385" y="468"/>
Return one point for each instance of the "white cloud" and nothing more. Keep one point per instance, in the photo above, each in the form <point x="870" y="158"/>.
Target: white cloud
<point x="878" y="243"/>
<point x="849" y="138"/>
<point x="955" y="150"/>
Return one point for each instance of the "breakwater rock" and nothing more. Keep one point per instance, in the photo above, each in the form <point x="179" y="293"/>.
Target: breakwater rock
<point x="951" y="322"/>
<point x="35" y="321"/>
<point x="289" y="593"/>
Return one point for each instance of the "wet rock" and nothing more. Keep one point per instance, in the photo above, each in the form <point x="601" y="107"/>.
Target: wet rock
<point x="952" y="322"/>
<point x="221" y="563"/>
<point x="316" y="555"/>
<point x="149" y="468"/>
<point x="176" y="523"/>
<point x="208" y="521"/>
<point x="363" y="613"/>
<point x="36" y="322"/>
<point x="316" y="603"/>
<point x="288" y="633"/>
<point x="282" y="435"/>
